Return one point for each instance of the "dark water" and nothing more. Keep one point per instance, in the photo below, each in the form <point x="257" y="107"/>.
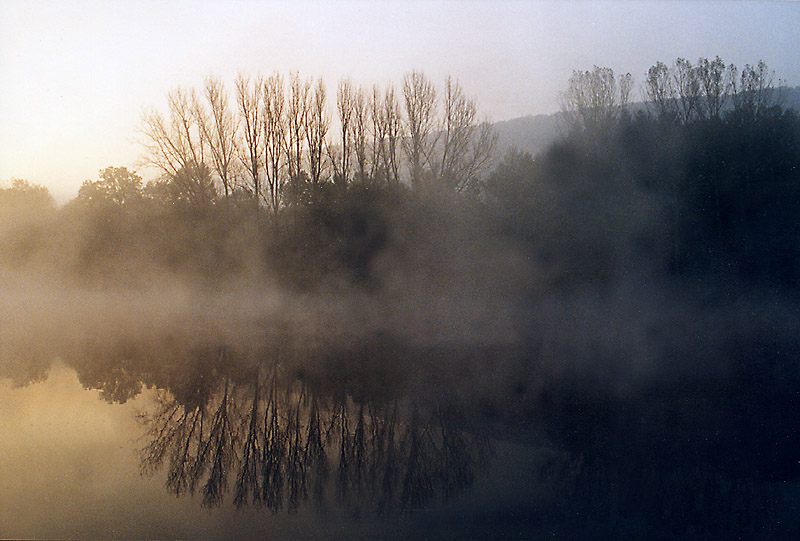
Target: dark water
<point x="167" y="439"/>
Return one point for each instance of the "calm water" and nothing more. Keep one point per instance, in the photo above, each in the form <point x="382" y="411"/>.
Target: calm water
<point x="168" y="439"/>
<point x="77" y="465"/>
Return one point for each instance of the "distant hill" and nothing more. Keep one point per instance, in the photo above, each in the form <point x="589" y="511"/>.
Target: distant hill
<point x="533" y="133"/>
<point x="791" y="98"/>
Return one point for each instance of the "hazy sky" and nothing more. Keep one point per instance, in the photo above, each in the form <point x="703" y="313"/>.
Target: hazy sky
<point x="76" y="76"/>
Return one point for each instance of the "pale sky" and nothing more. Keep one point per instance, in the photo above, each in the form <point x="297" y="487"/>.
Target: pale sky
<point x="75" y="76"/>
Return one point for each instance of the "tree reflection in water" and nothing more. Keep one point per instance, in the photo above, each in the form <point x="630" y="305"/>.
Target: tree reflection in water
<point x="289" y="441"/>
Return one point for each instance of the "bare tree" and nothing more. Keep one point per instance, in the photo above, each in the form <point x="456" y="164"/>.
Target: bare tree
<point x="420" y="106"/>
<point x="688" y="88"/>
<point x="219" y="127"/>
<point x="316" y="129"/>
<point x="466" y="147"/>
<point x="392" y="120"/>
<point x="483" y="143"/>
<point x="345" y="106"/>
<point x="625" y="85"/>
<point x="174" y="143"/>
<point x="249" y="98"/>
<point x="360" y="135"/>
<point x="715" y="83"/>
<point x="591" y="98"/>
<point x="378" y="133"/>
<point x="659" y="90"/>
<point x="459" y="117"/>
<point x="275" y="132"/>
<point x="386" y="134"/>
<point x="297" y="111"/>
<point x="755" y="91"/>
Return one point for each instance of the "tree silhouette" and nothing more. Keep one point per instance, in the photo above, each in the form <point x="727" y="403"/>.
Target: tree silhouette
<point x="420" y="107"/>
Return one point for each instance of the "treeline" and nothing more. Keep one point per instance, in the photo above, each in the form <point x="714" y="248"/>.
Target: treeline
<point x="242" y="174"/>
<point x="682" y="92"/>
<point x="701" y="182"/>
<point x="702" y="178"/>
<point x="274" y="141"/>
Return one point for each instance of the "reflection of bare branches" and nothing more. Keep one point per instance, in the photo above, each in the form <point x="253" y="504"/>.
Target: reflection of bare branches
<point x="247" y="481"/>
<point x="273" y="449"/>
<point x="175" y="430"/>
<point x="276" y="435"/>
<point x="218" y="451"/>
<point x="418" y="479"/>
<point x="295" y="472"/>
<point x="315" y="457"/>
<point x="457" y="469"/>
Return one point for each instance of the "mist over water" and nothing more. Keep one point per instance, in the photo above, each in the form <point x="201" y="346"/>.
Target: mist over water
<point x="415" y="341"/>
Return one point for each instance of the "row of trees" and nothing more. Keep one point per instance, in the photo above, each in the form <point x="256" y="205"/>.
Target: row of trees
<point x="687" y="91"/>
<point x="682" y="92"/>
<point x="274" y="144"/>
<point x="595" y="96"/>
<point x="276" y="138"/>
<point x="277" y="143"/>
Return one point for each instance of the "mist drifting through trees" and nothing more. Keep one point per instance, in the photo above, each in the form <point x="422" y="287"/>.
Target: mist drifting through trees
<point x="353" y="293"/>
